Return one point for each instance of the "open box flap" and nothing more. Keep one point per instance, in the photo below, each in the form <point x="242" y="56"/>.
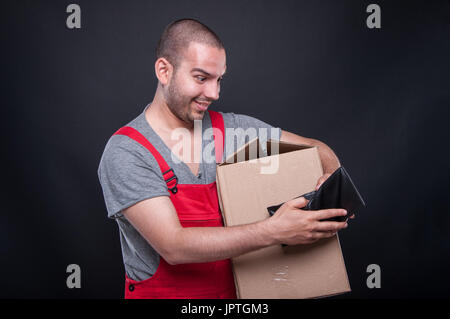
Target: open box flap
<point x="254" y="149"/>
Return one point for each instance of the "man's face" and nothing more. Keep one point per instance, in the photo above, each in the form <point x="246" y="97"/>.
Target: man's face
<point x="196" y="81"/>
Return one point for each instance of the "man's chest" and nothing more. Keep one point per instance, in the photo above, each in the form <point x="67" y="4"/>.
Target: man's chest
<point x="185" y="148"/>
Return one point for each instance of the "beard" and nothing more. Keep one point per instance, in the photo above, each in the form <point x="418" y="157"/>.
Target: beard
<point x="181" y="105"/>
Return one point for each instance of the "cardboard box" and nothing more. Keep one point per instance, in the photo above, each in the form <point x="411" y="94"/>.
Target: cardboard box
<point x="256" y="179"/>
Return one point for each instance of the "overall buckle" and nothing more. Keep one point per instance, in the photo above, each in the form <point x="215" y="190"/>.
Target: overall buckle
<point x="173" y="189"/>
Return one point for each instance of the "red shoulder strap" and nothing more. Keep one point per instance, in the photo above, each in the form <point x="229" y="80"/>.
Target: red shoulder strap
<point x="219" y="133"/>
<point x="168" y="174"/>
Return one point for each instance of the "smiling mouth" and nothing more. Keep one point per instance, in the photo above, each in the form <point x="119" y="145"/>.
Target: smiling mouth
<point x="203" y="106"/>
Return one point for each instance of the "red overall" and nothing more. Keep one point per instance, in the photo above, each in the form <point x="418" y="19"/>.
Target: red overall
<point x="197" y="206"/>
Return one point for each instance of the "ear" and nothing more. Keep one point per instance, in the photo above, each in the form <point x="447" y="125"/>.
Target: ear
<point x="163" y="70"/>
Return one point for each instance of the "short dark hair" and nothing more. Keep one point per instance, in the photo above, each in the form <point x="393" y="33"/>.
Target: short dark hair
<point x="177" y="36"/>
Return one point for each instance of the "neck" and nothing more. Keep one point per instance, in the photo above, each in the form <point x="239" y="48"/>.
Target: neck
<point x="159" y="115"/>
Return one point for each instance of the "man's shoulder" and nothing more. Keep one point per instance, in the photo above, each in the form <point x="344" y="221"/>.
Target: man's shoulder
<point x="123" y="143"/>
<point x="234" y="119"/>
<point x="121" y="149"/>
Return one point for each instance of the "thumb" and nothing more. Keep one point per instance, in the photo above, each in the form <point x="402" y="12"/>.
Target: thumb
<point x="299" y="202"/>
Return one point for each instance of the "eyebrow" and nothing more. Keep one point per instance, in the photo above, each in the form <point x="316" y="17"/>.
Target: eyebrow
<point x="203" y="71"/>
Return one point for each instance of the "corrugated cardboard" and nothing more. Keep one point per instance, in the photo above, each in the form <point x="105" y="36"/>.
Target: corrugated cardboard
<point x="301" y="271"/>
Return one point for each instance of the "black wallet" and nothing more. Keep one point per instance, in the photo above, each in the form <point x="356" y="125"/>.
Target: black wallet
<point x="338" y="191"/>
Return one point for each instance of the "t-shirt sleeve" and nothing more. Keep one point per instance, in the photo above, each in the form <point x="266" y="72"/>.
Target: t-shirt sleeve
<point x="128" y="174"/>
<point x="264" y="130"/>
<point x="240" y="129"/>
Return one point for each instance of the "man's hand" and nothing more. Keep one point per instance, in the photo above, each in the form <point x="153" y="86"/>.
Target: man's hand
<point x="321" y="180"/>
<point x="292" y="226"/>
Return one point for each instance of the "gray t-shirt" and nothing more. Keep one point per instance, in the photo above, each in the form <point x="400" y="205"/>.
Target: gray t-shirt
<point x="129" y="173"/>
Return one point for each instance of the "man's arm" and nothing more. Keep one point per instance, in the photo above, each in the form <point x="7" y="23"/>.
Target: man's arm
<point x="157" y="221"/>
<point x="329" y="160"/>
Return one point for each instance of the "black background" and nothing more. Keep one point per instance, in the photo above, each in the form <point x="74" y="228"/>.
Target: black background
<point x="378" y="97"/>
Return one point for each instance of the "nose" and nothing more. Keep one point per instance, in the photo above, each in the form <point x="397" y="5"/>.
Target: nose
<point x="212" y="90"/>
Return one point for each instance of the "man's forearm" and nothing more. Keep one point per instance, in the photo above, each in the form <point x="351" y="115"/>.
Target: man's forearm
<point x="205" y="244"/>
<point x="330" y="161"/>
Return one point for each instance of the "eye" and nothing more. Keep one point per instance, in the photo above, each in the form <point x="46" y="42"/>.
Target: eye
<point x="201" y="78"/>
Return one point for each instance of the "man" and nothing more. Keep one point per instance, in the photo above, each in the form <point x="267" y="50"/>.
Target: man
<point x="167" y="209"/>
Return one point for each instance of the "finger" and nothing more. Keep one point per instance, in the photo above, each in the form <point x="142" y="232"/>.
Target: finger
<point x="328" y="213"/>
<point x="319" y="235"/>
<point x="299" y="202"/>
<point x="329" y="226"/>
<point x="319" y="183"/>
